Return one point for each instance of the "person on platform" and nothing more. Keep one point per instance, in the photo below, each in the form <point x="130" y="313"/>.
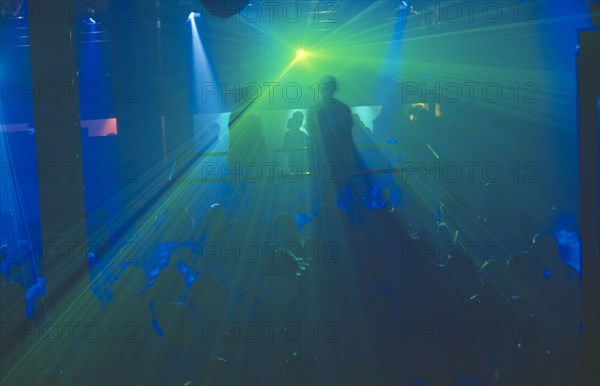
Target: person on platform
<point x="329" y="124"/>
<point x="295" y="140"/>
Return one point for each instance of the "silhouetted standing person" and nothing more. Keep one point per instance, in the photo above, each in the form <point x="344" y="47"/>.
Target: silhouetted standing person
<point x="295" y="140"/>
<point x="329" y="124"/>
<point x="294" y="137"/>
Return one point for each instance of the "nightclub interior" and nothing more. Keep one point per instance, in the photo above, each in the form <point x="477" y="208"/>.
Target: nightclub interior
<point x="242" y="192"/>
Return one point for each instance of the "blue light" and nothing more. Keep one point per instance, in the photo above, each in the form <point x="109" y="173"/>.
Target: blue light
<point x="193" y="15"/>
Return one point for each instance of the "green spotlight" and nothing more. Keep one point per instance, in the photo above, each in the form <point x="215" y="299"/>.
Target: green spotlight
<point x="301" y="55"/>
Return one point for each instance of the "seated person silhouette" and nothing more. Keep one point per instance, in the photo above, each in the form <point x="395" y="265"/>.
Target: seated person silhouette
<point x="329" y="125"/>
<point x="295" y="139"/>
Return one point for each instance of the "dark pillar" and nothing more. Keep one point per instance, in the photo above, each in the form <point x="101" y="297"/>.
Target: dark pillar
<point x="139" y="136"/>
<point x="588" y="75"/>
<point x="174" y="82"/>
<point x="151" y="51"/>
<point x="58" y="145"/>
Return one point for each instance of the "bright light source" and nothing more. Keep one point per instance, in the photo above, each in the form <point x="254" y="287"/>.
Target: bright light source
<point x="193" y="15"/>
<point x="301" y="54"/>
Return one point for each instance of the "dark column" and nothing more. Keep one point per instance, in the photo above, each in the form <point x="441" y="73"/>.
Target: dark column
<point x="588" y="75"/>
<point x="151" y="49"/>
<point x="138" y="140"/>
<point x="174" y="82"/>
<point x="58" y="145"/>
